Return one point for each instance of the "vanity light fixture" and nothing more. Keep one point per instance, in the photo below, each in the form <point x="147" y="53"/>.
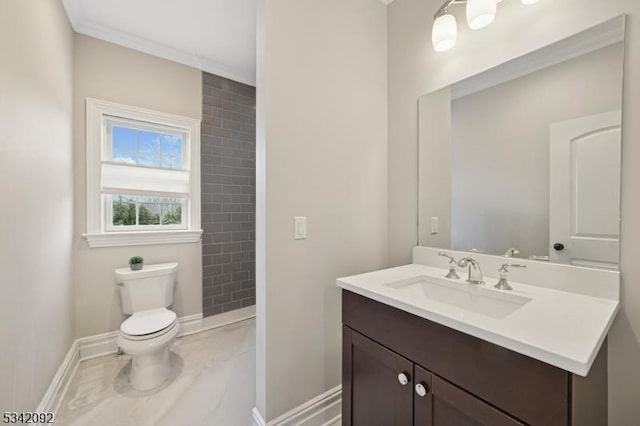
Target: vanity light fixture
<point x="480" y="14"/>
<point x="445" y="32"/>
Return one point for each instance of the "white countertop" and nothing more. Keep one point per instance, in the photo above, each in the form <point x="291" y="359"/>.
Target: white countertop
<point x="561" y="328"/>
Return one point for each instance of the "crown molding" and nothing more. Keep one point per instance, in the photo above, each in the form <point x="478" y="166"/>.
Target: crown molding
<point x="83" y="25"/>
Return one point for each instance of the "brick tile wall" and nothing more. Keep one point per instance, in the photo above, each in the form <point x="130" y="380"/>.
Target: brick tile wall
<point x="228" y="194"/>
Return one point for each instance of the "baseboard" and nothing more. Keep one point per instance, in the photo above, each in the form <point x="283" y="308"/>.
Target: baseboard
<point x="106" y="343"/>
<point x="256" y="418"/>
<point x="55" y="393"/>
<point x="190" y="324"/>
<point x="227" y="318"/>
<point x="98" y="345"/>
<point x="323" y="410"/>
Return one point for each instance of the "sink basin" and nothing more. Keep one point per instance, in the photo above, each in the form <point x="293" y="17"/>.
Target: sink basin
<point x="467" y="297"/>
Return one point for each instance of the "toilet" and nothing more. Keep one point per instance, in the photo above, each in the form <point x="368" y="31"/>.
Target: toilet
<point x="150" y="330"/>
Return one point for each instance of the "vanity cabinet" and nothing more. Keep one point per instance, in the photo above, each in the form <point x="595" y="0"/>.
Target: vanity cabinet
<point x="400" y="369"/>
<point x="415" y="396"/>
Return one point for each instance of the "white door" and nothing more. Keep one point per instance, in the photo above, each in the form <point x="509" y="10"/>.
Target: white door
<point x="585" y="191"/>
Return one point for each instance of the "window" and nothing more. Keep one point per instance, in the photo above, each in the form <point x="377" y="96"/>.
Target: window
<point x="143" y="183"/>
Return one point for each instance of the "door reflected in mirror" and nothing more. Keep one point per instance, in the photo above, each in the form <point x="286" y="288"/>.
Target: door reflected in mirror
<point x="524" y="159"/>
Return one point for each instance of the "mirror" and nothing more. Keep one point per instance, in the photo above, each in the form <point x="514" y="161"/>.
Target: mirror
<point x="524" y="159"/>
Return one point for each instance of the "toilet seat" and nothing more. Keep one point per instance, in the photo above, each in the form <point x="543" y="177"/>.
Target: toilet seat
<point x="150" y="363"/>
<point x="149" y="324"/>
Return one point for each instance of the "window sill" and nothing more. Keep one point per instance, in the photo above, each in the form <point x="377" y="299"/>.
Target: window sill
<point x="144" y="238"/>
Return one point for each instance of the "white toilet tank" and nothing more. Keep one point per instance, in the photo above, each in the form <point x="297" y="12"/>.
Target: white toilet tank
<point x="149" y="288"/>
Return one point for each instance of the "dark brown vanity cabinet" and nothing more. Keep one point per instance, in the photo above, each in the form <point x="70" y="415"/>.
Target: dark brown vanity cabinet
<point x="402" y="370"/>
<point x="387" y="389"/>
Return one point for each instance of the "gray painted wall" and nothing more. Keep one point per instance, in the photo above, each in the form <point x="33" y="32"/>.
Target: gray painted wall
<point x="415" y="69"/>
<point x="321" y="153"/>
<point x="228" y="194"/>
<point x="149" y="82"/>
<point x="36" y="186"/>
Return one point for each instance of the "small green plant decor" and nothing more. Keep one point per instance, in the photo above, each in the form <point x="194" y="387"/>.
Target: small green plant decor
<point x="135" y="263"/>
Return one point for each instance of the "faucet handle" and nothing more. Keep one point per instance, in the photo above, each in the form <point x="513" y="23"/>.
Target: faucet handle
<point x="448" y="256"/>
<point x="503" y="284"/>
<point x="503" y="269"/>
<point x="453" y="275"/>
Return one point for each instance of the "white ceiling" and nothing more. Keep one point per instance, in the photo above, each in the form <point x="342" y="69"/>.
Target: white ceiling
<point x="217" y="36"/>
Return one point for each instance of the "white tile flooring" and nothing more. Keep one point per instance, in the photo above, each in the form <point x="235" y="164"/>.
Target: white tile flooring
<point x="212" y="383"/>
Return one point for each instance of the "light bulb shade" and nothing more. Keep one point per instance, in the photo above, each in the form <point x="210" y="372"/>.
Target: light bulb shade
<point x="444" y="33"/>
<point x="481" y="13"/>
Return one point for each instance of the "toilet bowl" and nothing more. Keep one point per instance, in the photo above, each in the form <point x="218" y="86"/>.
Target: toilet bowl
<point x="147" y="336"/>
<point x="149" y="332"/>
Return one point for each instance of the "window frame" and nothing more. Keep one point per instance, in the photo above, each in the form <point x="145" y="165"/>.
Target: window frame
<point x="111" y="121"/>
<point x="99" y="114"/>
<point x="110" y="227"/>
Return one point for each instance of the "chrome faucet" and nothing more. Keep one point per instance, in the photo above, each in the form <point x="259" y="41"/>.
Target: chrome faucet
<point x="475" y="273"/>
<point x="503" y="271"/>
<point x="511" y="252"/>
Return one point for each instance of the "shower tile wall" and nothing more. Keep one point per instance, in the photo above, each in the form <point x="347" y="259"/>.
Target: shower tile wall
<point x="228" y="194"/>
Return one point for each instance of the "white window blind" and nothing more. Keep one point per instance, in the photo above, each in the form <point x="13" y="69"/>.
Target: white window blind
<point x="137" y="180"/>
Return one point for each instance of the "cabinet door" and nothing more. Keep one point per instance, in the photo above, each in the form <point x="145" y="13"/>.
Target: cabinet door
<point x="375" y="391"/>
<point x="422" y="397"/>
<point x="452" y="406"/>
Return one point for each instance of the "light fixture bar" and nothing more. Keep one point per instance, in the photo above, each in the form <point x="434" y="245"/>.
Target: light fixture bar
<point x="445" y="6"/>
<point x="480" y="14"/>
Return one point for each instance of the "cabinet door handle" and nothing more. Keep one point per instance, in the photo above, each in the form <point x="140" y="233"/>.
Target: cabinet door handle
<point x="421" y="390"/>
<point x="403" y="378"/>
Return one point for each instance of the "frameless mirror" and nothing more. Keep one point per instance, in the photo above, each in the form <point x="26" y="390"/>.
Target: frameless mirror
<point x="524" y="159"/>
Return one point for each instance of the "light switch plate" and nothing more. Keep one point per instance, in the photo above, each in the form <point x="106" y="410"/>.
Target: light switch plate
<point x="435" y="226"/>
<point x="300" y="228"/>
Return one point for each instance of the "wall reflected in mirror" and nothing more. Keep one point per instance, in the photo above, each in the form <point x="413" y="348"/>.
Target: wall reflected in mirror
<point x="524" y="159"/>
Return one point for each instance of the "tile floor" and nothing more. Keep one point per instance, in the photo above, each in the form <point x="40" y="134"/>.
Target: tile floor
<point x="212" y="383"/>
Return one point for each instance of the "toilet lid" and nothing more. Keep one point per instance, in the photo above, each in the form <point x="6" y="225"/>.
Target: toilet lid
<point x="148" y="322"/>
